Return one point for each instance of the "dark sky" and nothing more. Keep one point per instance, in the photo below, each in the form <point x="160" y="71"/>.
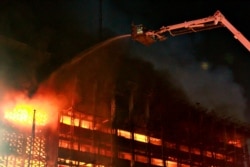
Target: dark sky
<point x="65" y="28"/>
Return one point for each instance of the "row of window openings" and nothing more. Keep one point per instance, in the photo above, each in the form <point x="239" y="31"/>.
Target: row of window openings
<point x="126" y="134"/>
<point x="97" y="150"/>
<point x="171" y="162"/>
<point x="127" y="156"/>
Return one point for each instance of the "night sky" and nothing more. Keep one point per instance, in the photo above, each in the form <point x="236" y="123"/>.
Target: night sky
<point x="65" y="28"/>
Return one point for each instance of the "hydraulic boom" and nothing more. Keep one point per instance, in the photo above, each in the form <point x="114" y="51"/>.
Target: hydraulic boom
<point x="147" y="37"/>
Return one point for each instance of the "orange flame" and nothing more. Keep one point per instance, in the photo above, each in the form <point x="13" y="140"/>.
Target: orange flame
<point x="22" y="113"/>
<point x="18" y="109"/>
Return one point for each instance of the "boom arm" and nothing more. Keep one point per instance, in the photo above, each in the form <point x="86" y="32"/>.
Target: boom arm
<point x="147" y="37"/>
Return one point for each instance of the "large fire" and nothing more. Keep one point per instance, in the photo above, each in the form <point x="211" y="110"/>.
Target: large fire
<point x="23" y="114"/>
<point x="18" y="109"/>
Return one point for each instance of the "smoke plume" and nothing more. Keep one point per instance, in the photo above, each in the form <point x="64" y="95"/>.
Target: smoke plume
<point x="214" y="88"/>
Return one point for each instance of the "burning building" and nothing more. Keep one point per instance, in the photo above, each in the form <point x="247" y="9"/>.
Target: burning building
<point x="121" y="112"/>
<point x="116" y="110"/>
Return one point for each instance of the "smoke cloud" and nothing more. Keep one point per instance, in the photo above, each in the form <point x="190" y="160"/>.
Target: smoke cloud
<point x="214" y="88"/>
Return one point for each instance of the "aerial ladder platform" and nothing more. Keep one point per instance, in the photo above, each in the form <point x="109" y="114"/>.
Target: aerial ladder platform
<point x="147" y="37"/>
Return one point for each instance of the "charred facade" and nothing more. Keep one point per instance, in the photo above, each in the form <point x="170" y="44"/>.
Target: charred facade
<point x="127" y="114"/>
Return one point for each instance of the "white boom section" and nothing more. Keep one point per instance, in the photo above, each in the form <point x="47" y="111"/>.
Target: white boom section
<point x="211" y="22"/>
<point x="237" y="35"/>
